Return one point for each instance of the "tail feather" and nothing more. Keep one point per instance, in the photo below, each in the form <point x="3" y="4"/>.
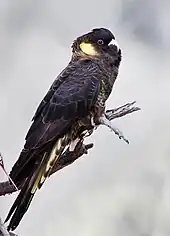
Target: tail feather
<point x="57" y="150"/>
<point x="22" y="202"/>
<point x="19" y="208"/>
<point x="34" y="182"/>
<point x="22" y="168"/>
<point x="17" y="202"/>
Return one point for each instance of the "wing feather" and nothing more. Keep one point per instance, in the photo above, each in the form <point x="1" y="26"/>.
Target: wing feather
<point x="70" y="97"/>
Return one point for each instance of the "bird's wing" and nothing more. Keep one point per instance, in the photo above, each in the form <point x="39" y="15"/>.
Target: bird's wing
<point x="69" y="98"/>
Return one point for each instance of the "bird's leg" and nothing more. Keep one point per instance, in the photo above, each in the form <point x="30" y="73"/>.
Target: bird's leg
<point x="104" y="121"/>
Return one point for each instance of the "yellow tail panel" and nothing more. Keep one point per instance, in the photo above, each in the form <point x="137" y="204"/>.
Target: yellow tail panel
<point x="49" y="161"/>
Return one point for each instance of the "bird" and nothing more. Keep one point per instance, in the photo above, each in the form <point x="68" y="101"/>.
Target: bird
<point x="71" y="109"/>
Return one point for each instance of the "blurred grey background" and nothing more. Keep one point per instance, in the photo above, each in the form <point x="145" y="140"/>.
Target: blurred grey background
<point x="118" y="189"/>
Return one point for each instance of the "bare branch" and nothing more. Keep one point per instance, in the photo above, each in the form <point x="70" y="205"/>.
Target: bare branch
<point x="3" y="230"/>
<point x="69" y="157"/>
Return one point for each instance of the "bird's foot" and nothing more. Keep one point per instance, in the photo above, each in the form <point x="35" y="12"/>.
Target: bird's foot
<point x="104" y="121"/>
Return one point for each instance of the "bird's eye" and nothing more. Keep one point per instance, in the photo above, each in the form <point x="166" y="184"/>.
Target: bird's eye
<point x="100" y="42"/>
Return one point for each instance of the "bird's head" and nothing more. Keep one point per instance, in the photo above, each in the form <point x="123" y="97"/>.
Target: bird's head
<point x="95" y="43"/>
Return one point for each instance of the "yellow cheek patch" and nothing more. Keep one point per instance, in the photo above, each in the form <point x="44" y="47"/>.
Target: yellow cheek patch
<point x="88" y="49"/>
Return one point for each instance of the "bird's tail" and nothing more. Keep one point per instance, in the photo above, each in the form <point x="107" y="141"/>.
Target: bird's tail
<point x="34" y="182"/>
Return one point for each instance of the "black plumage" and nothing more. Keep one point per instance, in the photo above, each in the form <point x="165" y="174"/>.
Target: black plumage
<point x="78" y="93"/>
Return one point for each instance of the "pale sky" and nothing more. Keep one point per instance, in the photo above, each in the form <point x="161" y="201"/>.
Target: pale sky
<point x="117" y="189"/>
